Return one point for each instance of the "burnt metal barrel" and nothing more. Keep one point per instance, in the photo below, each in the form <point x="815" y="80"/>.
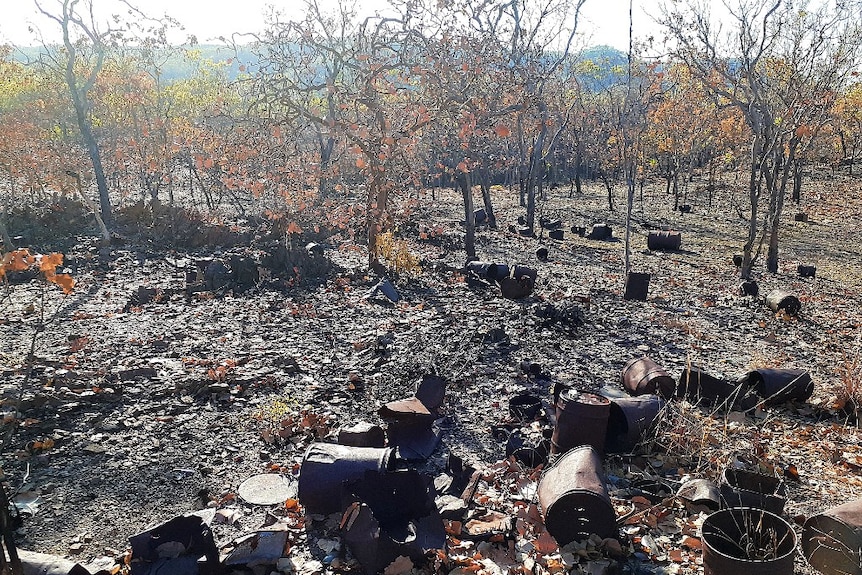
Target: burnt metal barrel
<point x="582" y="419"/>
<point x="326" y="466"/>
<point x="743" y="488"/>
<point x="783" y="300"/>
<point x="750" y="541"/>
<point x="637" y="286"/>
<point x="664" y="240"/>
<point x="573" y="497"/>
<point x="644" y="376"/>
<point x="777" y="386"/>
<point x="832" y="540"/>
<point x="629" y="420"/>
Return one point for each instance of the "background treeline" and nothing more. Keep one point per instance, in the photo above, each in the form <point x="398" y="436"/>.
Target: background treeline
<point x="328" y="120"/>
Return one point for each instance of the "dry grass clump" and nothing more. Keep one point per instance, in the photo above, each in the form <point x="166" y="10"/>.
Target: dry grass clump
<point x="848" y="389"/>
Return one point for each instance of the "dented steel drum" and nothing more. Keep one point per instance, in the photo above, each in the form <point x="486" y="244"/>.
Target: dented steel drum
<point x="777" y="386"/>
<point x="644" y="376"/>
<point x="326" y="466"/>
<point x="742" y="540"/>
<point x="637" y="286"/>
<point x="630" y="418"/>
<point x="582" y="419"/>
<point x="742" y="488"/>
<point x="573" y="497"/>
<point x="664" y="241"/>
<point x="832" y="540"/>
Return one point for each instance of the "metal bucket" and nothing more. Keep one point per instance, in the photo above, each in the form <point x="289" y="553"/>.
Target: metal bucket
<point x="749" y="541"/>
<point x="644" y="376"/>
<point x="741" y="488"/>
<point x="325" y="466"/>
<point x="629" y="420"/>
<point x="582" y="419"/>
<point x="664" y="241"/>
<point x="574" y="499"/>
<point x="777" y="386"/>
<point x="832" y="540"/>
<point x="637" y="286"/>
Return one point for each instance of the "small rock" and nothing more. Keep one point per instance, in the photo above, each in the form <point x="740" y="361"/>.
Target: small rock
<point x="285" y="565"/>
<point x="76" y="548"/>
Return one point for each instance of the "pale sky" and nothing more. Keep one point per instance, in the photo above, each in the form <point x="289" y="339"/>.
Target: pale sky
<point x="602" y="21"/>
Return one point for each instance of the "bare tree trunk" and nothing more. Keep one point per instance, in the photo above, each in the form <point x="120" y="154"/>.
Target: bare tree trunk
<point x="485" y="184"/>
<point x="463" y="181"/>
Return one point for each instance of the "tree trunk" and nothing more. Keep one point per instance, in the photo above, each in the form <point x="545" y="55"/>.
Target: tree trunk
<point x="463" y="181"/>
<point x="797" y="181"/>
<point x="753" y="198"/>
<point x="485" y="184"/>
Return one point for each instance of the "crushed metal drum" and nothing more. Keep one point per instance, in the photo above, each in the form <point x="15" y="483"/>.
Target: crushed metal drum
<point x="390" y="515"/>
<point x="637" y="286"/>
<point x="743" y="488"/>
<point x="778" y="300"/>
<point x="193" y="538"/>
<point x="644" y="376"/>
<point x="750" y="541"/>
<point x="629" y="420"/>
<point x="325" y="466"/>
<point x="267" y="489"/>
<point x="525" y="406"/>
<point x="556" y="234"/>
<point x="700" y="492"/>
<point x="260" y="548"/>
<point x="777" y="386"/>
<point x="573" y="497"/>
<point x="511" y="288"/>
<point x="800" y="217"/>
<point x="664" y="240"/>
<point x="582" y="419"/>
<point x="409" y="422"/>
<point x="832" y="540"/>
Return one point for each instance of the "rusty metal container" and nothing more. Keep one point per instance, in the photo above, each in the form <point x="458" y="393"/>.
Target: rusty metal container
<point x="749" y="288"/>
<point x="743" y="488"/>
<point x="747" y="541"/>
<point x="698" y="386"/>
<point x="556" y="234"/>
<point x="832" y="540"/>
<point x="542" y="253"/>
<point x="806" y="271"/>
<point x="582" y="419"/>
<point x="777" y="386"/>
<point x="637" y="286"/>
<point x="783" y="300"/>
<point x="664" y="240"/>
<point x="644" y="376"/>
<point x="573" y="497"/>
<point x="601" y="232"/>
<point x="525" y="406"/>
<point x="630" y="418"/>
<point x="737" y="260"/>
<point x="800" y="217"/>
<point x="326" y="466"/>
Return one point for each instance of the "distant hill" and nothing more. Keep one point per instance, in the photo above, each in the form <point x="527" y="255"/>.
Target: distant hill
<point x="597" y="67"/>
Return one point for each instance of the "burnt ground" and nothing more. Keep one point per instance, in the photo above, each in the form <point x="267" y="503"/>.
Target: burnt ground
<point x="142" y="408"/>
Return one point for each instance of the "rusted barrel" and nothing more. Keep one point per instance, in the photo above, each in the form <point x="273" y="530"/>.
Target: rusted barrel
<point x="743" y="488"/>
<point x="629" y="420"/>
<point x="737" y="260"/>
<point x="479" y="216"/>
<point x="525" y="406"/>
<point x="749" y="288"/>
<point x="750" y="541"/>
<point x="832" y="540"/>
<point x="800" y="217"/>
<point x="601" y="232"/>
<point x="805" y="271"/>
<point x="362" y="434"/>
<point x="664" y="240"/>
<point x="582" y="419"/>
<point x="777" y="386"/>
<point x="637" y="286"/>
<point x="783" y="300"/>
<point x="325" y="466"/>
<point x="573" y="497"/>
<point x="542" y="253"/>
<point x="557" y="234"/>
<point x="644" y="376"/>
